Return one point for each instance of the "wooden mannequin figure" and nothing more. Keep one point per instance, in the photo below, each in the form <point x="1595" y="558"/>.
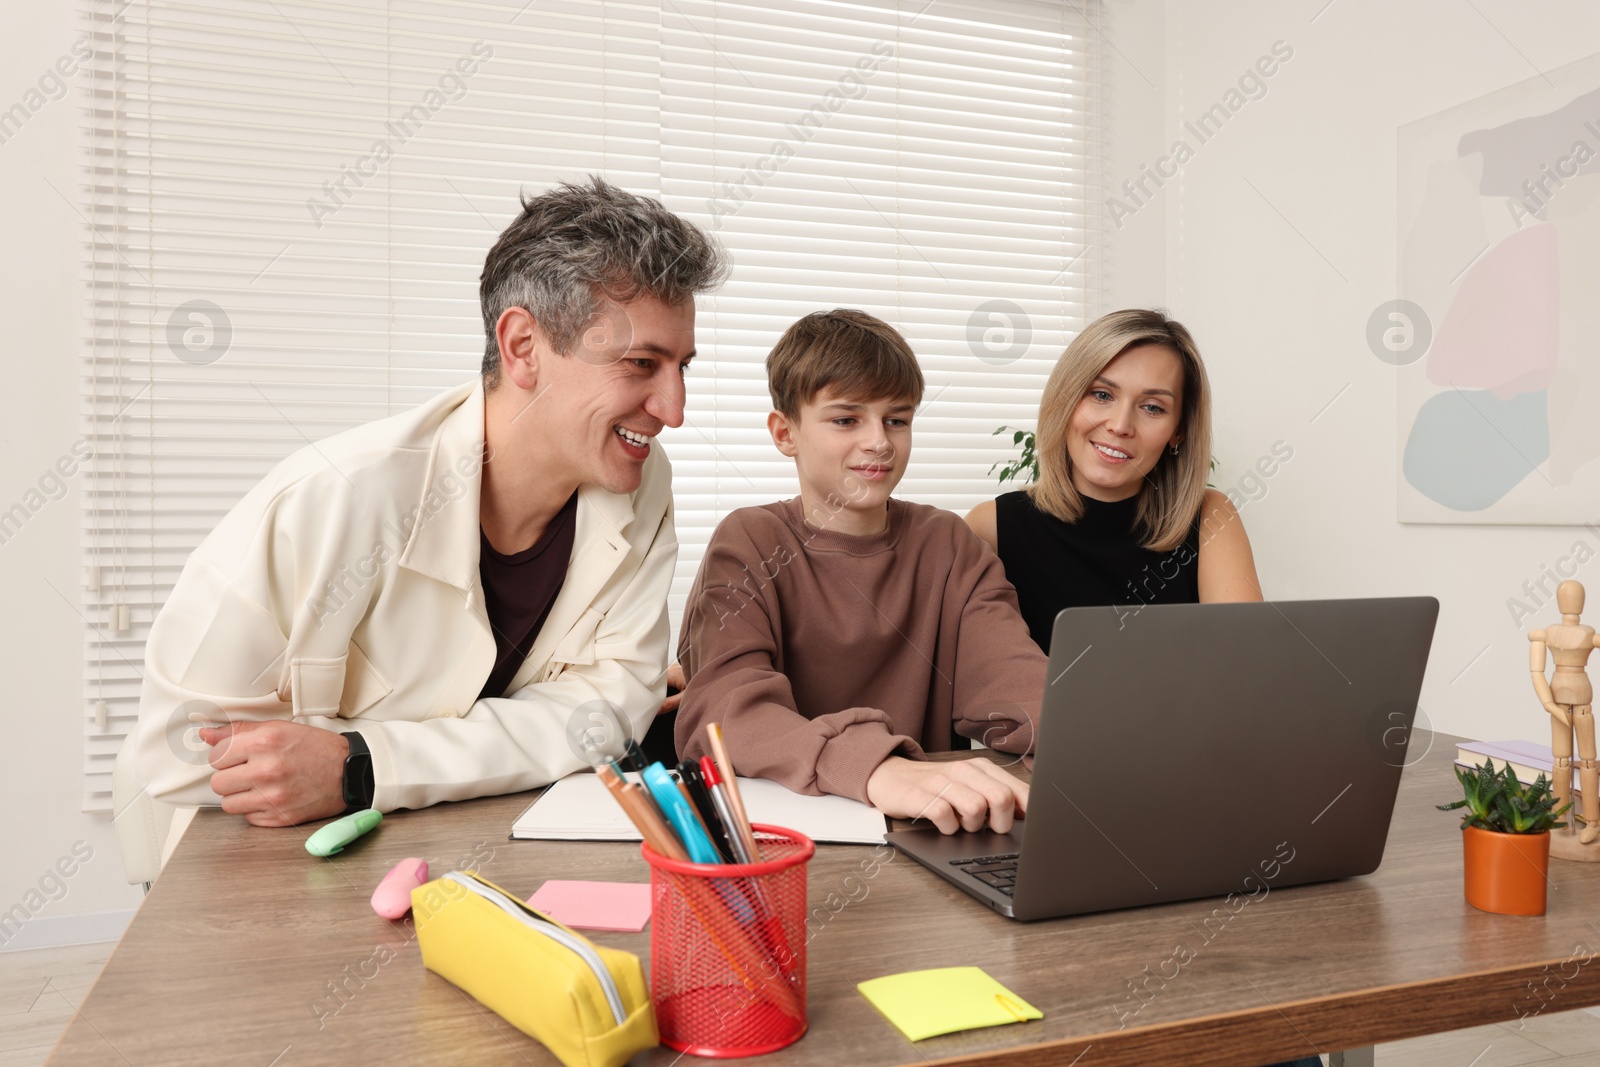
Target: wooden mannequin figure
<point x="1569" y="698"/>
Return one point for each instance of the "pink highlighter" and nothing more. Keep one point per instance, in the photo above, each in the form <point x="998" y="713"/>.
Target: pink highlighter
<point x="392" y="898"/>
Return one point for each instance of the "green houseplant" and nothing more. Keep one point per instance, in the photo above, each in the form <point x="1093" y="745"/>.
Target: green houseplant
<point x="1027" y="464"/>
<point x="1025" y="468"/>
<point x="1505" y="838"/>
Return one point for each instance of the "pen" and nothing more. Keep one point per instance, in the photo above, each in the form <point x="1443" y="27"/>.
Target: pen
<point x="679" y="813"/>
<point x="700" y="821"/>
<point x="673" y="796"/>
<point x="698" y="896"/>
<point x="741" y="817"/>
<point x="719" y="797"/>
<point x="770" y="928"/>
<point x="747" y="953"/>
<point x="700" y="796"/>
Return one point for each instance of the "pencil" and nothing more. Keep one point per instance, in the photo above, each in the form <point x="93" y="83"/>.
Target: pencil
<point x="719" y="750"/>
<point x="648" y="823"/>
<point x="744" y="955"/>
<point x="770" y="926"/>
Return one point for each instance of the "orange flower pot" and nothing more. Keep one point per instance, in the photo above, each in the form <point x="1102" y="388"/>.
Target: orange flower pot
<point x="1506" y="873"/>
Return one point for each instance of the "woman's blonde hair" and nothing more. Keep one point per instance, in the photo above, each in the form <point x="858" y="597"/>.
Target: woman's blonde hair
<point x="1175" y="488"/>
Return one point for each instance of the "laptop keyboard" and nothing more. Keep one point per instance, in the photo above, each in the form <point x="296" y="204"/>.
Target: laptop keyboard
<point x="999" y="872"/>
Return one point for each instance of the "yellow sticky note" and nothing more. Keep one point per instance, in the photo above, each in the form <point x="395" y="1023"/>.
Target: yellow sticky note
<point x="944" y="1000"/>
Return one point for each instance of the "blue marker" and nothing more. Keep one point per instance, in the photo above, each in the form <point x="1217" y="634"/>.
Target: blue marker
<point x="664" y="788"/>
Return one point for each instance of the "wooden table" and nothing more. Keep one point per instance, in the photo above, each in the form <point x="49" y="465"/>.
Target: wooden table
<point x="248" y="950"/>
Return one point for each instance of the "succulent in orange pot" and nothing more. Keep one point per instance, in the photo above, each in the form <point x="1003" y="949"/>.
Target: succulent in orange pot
<point x="1505" y="837"/>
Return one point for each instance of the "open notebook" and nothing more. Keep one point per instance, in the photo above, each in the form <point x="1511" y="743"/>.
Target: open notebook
<point x="578" y="808"/>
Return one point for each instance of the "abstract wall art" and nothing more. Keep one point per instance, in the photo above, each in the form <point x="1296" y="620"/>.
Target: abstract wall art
<point x="1499" y="263"/>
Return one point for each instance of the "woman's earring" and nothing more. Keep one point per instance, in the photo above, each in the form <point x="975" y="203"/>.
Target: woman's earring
<point x="1173" y="449"/>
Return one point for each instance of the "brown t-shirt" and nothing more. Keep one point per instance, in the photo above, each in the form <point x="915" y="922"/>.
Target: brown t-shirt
<point x="518" y="590"/>
<point x="823" y="653"/>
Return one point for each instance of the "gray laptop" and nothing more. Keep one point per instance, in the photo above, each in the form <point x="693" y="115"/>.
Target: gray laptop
<point x="1196" y="750"/>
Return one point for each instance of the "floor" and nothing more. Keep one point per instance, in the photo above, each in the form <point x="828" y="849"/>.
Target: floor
<point x="40" y="989"/>
<point x="1567" y="1039"/>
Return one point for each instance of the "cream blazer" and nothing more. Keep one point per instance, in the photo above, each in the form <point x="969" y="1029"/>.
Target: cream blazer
<point x="343" y="592"/>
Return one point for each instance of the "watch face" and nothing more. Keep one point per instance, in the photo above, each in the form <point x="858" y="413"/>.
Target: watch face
<point x="358" y="780"/>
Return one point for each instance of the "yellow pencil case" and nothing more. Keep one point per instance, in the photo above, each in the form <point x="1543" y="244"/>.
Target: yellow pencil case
<point x="587" y="1004"/>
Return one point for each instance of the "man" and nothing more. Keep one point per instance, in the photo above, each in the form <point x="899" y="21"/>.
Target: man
<point x="419" y="609"/>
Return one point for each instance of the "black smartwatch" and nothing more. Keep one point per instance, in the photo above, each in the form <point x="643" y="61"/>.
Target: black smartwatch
<point x="358" y="787"/>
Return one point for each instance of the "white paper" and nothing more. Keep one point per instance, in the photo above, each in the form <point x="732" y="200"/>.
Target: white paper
<point x="579" y="808"/>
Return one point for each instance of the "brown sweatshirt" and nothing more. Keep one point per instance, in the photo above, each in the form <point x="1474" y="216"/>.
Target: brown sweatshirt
<point x="823" y="653"/>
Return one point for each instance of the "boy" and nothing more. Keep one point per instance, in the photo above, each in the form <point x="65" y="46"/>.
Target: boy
<point x="840" y="635"/>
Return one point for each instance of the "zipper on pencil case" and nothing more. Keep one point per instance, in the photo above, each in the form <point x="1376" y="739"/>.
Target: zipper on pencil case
<point x="517" y="910"/>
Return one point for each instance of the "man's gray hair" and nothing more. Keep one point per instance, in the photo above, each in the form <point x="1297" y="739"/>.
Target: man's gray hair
<point x="576" y="246"/>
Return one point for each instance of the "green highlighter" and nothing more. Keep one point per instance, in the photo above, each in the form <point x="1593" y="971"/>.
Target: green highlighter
<point x="339" y="833"/>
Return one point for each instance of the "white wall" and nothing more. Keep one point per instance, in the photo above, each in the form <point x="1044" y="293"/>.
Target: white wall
<point x="1133" y="71"/>
<point x="1283" y="333"/>
<point x="41" y="760"/>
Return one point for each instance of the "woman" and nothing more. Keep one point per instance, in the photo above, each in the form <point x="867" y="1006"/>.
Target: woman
<point x="1121" y="513"/>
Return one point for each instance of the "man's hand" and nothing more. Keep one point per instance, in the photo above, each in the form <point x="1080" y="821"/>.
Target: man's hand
<point x="277" y="773"/>
<point x="960" y="795"/>
<point x="675" y="680"/>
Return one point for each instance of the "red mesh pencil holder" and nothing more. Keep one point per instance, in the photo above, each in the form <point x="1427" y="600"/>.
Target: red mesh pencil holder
<point x="728" y="948"/>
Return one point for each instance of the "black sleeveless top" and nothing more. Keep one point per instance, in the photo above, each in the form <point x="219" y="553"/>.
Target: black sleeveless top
<point x="1096" y="560"/>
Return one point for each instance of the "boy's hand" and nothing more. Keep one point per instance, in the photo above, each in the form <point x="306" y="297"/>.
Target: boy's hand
<point x="960" y="795"/>
<point x="675" y="680"/>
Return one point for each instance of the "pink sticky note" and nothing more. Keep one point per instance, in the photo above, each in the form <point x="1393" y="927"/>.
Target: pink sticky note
<point x="621" y="906"/>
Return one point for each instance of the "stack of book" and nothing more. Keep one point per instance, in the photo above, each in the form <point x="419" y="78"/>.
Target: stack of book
<point x="1528" y="759"/>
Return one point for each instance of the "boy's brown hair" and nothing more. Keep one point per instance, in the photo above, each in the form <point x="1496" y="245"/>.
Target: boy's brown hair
<point x="860" y="355"/>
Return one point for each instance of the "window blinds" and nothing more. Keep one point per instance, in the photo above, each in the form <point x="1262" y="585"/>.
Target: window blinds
<point x="928" y="163"/>
<point x="288" y="202"/>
